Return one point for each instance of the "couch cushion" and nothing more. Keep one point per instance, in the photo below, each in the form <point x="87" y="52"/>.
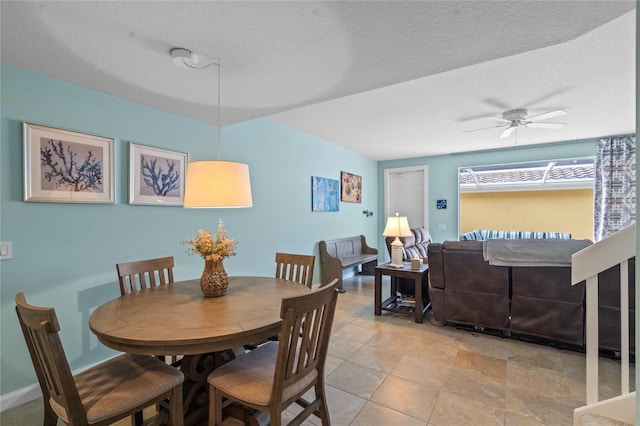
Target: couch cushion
<point x="414" y="245"/>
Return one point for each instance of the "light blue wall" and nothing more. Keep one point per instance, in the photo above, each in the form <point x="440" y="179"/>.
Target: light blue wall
<point x="443" y="177"/>
<point x="64" y="255"/>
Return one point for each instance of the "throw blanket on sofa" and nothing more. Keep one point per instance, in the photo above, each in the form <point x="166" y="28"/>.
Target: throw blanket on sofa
<point x="501" y="252"/>
<point x="486" y="234"/>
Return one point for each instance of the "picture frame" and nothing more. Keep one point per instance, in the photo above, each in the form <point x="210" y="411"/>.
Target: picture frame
<point x="350" y="188"/>
<point x="156" y="175"/>
<point x="324" y="194"/>
<point x="441" y="204"/>
<point x="64" y="166"/>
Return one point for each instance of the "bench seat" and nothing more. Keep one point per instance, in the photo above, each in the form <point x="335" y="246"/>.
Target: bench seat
<point x="339" y="254"/>
<point x="348" y="262"/>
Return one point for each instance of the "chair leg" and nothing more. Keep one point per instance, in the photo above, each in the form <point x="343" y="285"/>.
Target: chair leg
<point x="275" y="415"/>
<point x="215" y="407"/>
<point x="322" y="410"/>
<point x="137" y="419"/>
<point x="50" y="416"/>
<point x="176" y="410"/>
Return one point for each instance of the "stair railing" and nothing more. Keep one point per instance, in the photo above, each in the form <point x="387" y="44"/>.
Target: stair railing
<point x="586" y="264"/>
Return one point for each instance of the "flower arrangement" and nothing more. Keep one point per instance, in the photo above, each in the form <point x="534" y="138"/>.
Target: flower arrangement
<point x="216" y="247"/>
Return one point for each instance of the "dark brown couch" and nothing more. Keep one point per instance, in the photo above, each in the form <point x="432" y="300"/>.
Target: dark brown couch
<point x="534" y="302"/>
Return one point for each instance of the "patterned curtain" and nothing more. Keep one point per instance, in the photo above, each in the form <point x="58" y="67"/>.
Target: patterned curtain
<point x="615" y="186"/>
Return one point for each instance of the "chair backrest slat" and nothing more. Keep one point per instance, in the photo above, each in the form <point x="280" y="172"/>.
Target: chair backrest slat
<point x="295" y="267"/>
<point x="304" y="335"/>
<point x="135" y="276"/>
<point x="40" y="328"/>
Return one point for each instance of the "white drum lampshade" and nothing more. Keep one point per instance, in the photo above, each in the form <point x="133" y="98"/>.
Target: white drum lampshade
<point x="216" y="183"/>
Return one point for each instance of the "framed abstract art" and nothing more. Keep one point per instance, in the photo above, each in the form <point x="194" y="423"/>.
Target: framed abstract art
<point x="351" y="188"/>
<point x="324" y="194"/>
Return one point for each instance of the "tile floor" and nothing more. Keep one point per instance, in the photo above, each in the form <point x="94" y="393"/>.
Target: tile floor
<point x="388" y="370"/>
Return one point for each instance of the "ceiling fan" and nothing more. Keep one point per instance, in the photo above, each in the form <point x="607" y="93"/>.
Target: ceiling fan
<point x="515" y="118"/>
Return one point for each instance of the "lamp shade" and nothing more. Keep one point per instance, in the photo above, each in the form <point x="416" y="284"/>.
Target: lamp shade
<point x="397" y="226"/>
<point x="211" y="184"/>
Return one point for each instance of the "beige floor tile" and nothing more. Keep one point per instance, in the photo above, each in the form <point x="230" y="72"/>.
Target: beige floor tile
<point x="381" y="359"/>
<point x="342" y="348"/>
<point x="495" y="346"/>
<point x="482" y="365"/>
<point x="517" y="419"/>
<point x="343" y="407"/>
<point x="411" y="398"/>
<point x="430" y="373"/>
<point x="540" y="356"/>
<point x="330" y="364"/>
<point x="475" y="386"/>
<point x="456" y="410"/>
<point x="30" y="413"/>
<point x="540" y="409"/>
<point x="479" y="377"/>
<point x="356" y="379"/>
<point x="355" y="333"/>
<point x="374" y="414"/>
<point x="573" y="363"/>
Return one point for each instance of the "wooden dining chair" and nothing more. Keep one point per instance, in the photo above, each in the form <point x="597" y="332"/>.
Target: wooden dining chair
<point x="277" y="374"/>
<point x="103" y="394"/>
<point x="292" y="267"/>
<point x="295" y="267"/>
<point x="134" y="276"/>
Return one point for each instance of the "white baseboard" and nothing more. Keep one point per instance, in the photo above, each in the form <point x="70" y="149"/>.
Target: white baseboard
<point x="29" y="393"/>
<point x="19" y="397"/>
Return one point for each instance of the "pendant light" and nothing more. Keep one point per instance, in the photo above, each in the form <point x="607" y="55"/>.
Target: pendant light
<point x="213" y="183"/>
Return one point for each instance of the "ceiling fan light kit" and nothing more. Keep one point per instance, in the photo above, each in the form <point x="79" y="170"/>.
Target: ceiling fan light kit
<point x="515" y="118"/>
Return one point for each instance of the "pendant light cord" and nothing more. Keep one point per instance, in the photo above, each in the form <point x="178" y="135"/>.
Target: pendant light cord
<point x="187" y="59"/>
<point x="219" y="125"/>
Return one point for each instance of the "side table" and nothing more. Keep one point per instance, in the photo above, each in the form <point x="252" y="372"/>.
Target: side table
<point x="391" y="303"/>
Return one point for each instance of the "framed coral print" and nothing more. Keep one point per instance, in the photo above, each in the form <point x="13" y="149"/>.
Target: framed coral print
<point x="62" y="166"/>
<point x="351" y="188"/>
<point x="324" y="194"/>
<point x="156" y="176"/>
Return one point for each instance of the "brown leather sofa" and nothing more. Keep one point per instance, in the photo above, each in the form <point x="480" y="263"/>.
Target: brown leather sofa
<point x="465" y="289"/>
<point x="532" y="302"/>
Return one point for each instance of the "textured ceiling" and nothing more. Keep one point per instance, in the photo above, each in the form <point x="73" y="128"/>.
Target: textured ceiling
<point x="387" y="79"/>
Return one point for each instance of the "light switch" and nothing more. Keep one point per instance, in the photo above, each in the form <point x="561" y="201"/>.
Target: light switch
<point x="6" y="251"/>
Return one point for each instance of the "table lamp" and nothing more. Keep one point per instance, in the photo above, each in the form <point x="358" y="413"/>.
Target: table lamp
<point x="397" y="226"/>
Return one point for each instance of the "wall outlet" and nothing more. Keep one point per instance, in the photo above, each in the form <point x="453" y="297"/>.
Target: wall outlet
<point x="6" y="250"/>
<point x="442" y="226"/>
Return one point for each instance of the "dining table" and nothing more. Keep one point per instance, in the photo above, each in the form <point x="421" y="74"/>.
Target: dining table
<point x="176" y="319"/>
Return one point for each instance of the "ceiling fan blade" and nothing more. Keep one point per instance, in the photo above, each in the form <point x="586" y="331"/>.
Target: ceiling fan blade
<point x="499" y="119"/>
<point x="546" y="125"/>
<point x="484" y="128"/>
<point x="547" y="115"/>
<point x="507" y="132"/>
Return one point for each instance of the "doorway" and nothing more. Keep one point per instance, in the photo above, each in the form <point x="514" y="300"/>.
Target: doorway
<point x="406" y="192"/>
